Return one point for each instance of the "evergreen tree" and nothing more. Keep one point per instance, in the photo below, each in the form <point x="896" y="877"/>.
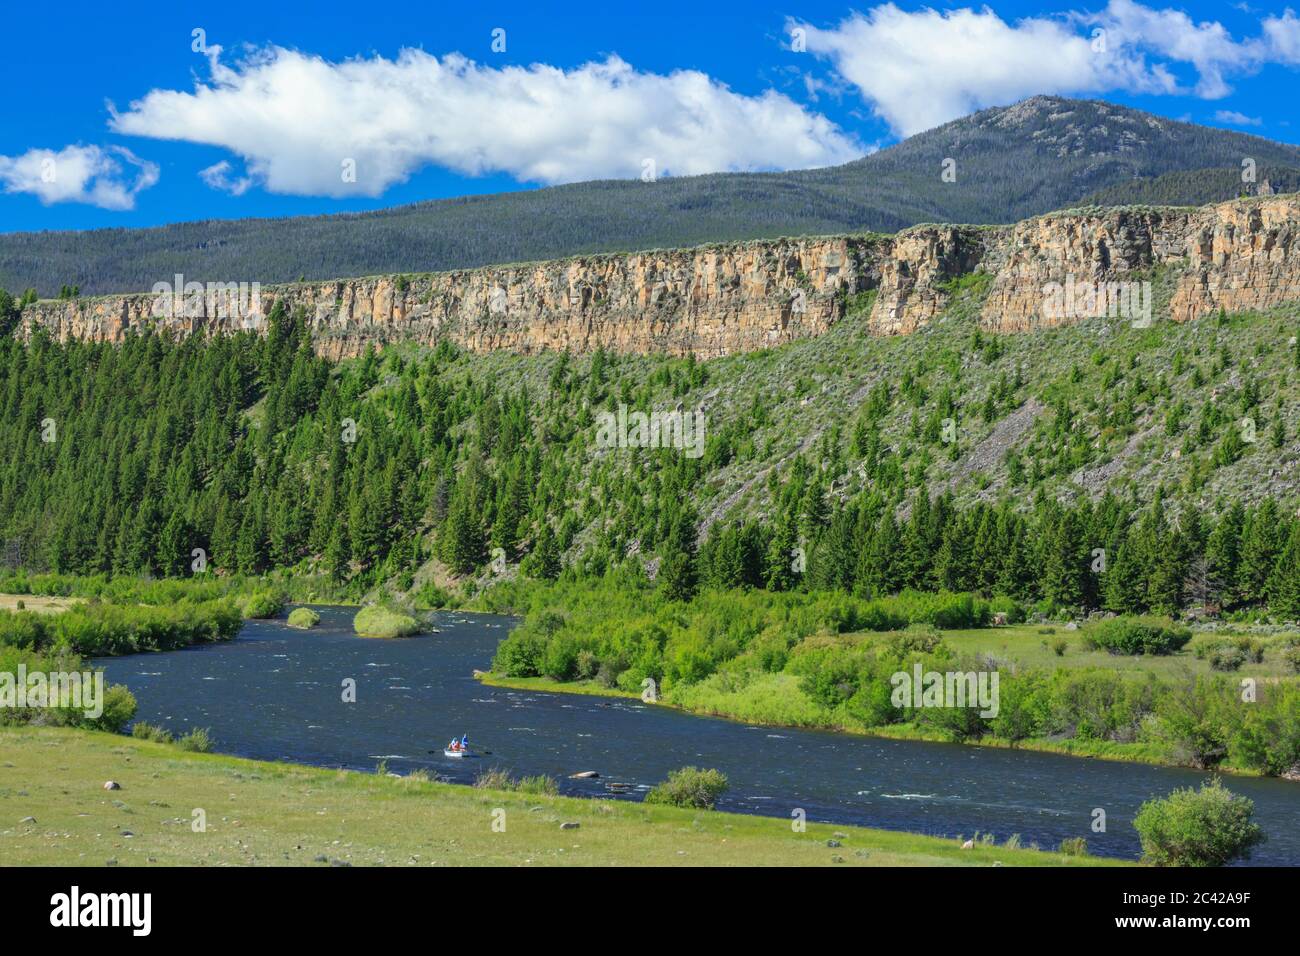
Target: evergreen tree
<point x="1284" y="583"/>
<point x="1223" y="551"/>
<point x="677" y="572"/>
<point x="1124" y="588"/>
<point x="1260" y="546"/>
<point x="544" y="561"/>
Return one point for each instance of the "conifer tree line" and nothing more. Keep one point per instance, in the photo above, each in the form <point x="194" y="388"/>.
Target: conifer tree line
<point x="127" y="459"/>
<point x="1107" y="555"/>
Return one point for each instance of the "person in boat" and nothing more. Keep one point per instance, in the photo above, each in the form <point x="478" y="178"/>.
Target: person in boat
<point x="464" y="741"/>
<point x="454" y="745"/>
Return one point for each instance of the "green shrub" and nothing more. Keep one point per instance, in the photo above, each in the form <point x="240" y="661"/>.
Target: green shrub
<point x="916" y="639"/>
<point x="378" y="621"/>
<point x="303" y="618"/>
<point x="1226" y="657"/>
<point x="943" y="609"/>
<point x="118" y="703"/>
<point x="1229" y="653"/>
<point x="144" y="731"/>
<point x="621" y="628"/>
<point x="1206" y="827"/>
<point x="520" y="654"/>
<point x="1075" y="846"/>
<point x="540" y="785"/>
<point x="494" y="779"/>
<point x="431" y="596"/>
<point x="690" y="787"/>
<point x="97" y="629"/>
<point x="119" y="708"/>
<point x="1252" y="649"/>
<point x="1266" y="735"/>
<point x="261" y="603"/>
<point x="1014" y="611"/>
<point x="198" y="740"/>
<point x="1137" y="635"/>
<point x="587" y="665"/>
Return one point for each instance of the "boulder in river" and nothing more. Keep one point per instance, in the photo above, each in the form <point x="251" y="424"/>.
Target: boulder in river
<point x="584" y="775"/>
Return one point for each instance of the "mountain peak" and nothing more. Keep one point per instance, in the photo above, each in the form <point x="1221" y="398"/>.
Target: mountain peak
<point x="1066" y="127"/>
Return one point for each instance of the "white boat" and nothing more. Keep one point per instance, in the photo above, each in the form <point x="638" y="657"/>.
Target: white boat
<point x="455" y="753"/>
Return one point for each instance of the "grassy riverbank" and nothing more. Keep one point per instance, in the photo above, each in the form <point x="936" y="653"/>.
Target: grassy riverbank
<point x="776" y="705"/>
<point x="261" y="813"/>
<point x="1052" y="646"/>
<point x="1125" y="688"/>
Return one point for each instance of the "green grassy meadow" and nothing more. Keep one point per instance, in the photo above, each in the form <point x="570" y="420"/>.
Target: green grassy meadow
<point x="260" y="813"/>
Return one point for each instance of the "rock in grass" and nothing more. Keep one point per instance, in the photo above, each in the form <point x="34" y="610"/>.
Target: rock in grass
<point x="112" y="785"/>
<point x="377" y="621"/>
<point x="570" y="826"/>
<point x="303" y="618"/>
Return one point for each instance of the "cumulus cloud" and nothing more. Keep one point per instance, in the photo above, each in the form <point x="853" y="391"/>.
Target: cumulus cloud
<point x="1282" y="38"/>
<point x="303" y="125"/>
<point x="97" y="175"/>
<point x="919" y="69"/>
<point x="1237" y="119"/>
<point x="218" y="177"/>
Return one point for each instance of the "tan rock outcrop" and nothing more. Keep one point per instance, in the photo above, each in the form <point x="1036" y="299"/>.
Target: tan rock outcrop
<point x="707" y="301"/>
<point x="1241" y="256"/>
<point x="1074" y="250"/>
<point x="917" y="264"/>
<point x="739" y="297"/>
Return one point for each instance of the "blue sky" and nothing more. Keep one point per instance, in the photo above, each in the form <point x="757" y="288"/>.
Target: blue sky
<point x="112" y="118"/>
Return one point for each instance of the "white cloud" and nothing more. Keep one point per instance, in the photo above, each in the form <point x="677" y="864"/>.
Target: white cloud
<point x="297" y="120"/>
<point x="1282" y="36"/>
<point x="1237" y="119"/>
<point x="217" y="176"/>
<point x="96" y="175"/>
<point x="919" y="69"/>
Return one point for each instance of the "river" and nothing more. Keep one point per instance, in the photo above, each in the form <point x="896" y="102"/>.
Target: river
<point x="276" y="693"/>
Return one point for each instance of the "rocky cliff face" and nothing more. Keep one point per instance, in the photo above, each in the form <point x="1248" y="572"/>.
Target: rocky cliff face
<point x="707" y="301"/>
<point x="740" y="297"/>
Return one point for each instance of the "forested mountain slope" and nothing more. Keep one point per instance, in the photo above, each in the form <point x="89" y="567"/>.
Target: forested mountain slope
<point x="947" y="458"/>
<point x="1009" y="163"/>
